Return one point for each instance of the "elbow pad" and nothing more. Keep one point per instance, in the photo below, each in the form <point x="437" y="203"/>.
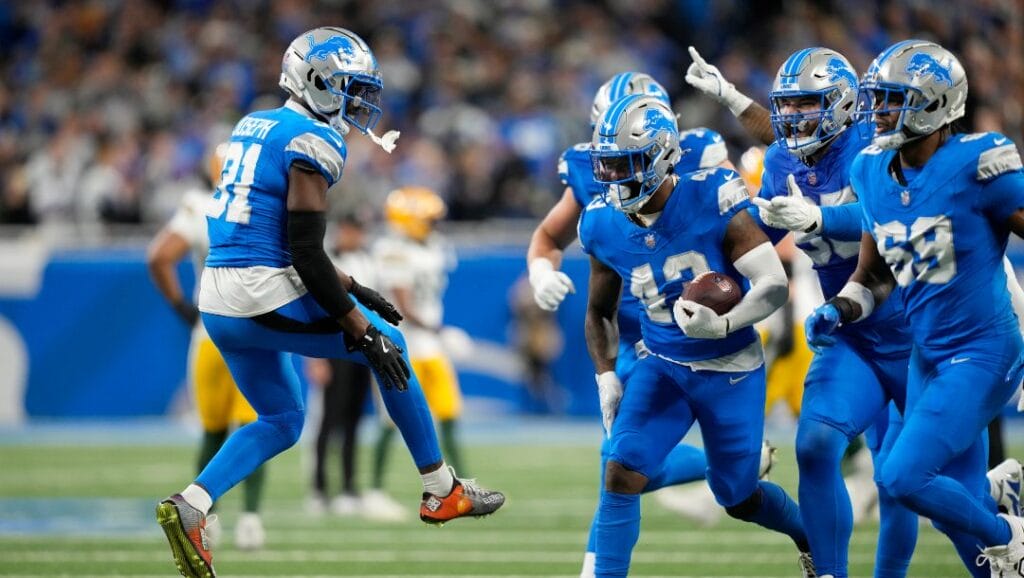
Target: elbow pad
<point x="306" y="231"/>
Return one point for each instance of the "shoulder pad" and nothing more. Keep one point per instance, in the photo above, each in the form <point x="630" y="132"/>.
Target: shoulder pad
<point x="731" y="193"/>
<point x="326" y="152"/>
<point x="999" y="156"/>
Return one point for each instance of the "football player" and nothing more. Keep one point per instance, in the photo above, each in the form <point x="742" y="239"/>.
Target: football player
<point x="656" y="230"/>
<point x="937" y="209"/>
<point x="218" y="402"/>
<point x="270" y="290"/>
<point x="702" y="148"/>
<point x="848" y="387"/>
<point x="414" y="262"/>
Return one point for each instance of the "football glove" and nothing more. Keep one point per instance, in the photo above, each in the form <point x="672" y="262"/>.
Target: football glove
<point x="188" y="311"/>
<point x="609" y="392"/>
<point x="820" y="325"/>
<point x="709" y="80"/>
<point x="792" y="213"/>
<point x="699" y="321"/>
<point x="550" y="287"/>
<point x="375" y="302"/>
<point x="385" y="358"/>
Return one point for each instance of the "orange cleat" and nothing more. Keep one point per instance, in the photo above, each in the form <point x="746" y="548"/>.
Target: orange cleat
<point x="465" y="499"/>
<point x="185" y="528"/>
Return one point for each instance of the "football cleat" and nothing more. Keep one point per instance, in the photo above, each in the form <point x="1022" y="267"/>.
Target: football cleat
<point x="807" y="566"/>
<point x="185" y="528"/>
<point x="465" y="499"/>
<point x="1004" y="483"/>
<point x="249" y="532"/>
<point x="1006" y="561"/>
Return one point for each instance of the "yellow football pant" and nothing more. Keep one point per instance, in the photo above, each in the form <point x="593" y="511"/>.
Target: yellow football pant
<point x="440" y="386"/>
<point x="787" y="373"/>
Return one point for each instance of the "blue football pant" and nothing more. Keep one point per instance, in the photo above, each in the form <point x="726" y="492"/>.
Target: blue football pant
<point x="685" y="463"/>
<point x="259" y="360"/>
<point x="659" y="406"/>
<point x="845" y="394"/>
<point x="937" y="464"/>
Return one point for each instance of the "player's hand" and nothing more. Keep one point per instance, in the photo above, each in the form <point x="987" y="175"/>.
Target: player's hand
<point x="375" y="302"/>
<point x="709" y="80"/>
<point x="188" y="311"/>
<point x="792" y="213"/>
<point x="609" y="391"/>
<point x="820" y="325"/>
<point x="385" y="358"/>
<point x="699" y="321"/>
<point x="550" y="287"/>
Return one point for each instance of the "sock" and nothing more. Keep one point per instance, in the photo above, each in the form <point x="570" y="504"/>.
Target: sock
<point x="253" y="490"/>
<point x="450" y="444"/>
<point x="589" y="559"/>
<point x="198" y="498"/>
<point x="380" y="455"/>
<point x="438" y="482"/>
<point x="897" y="536"/>
<point x="618" y="527"/>
<point x="829" y="524"/>
<point x="780" y="513"/>
<point x="683" y="464"/>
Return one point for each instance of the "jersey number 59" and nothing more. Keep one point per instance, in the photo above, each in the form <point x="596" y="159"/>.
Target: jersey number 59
<point x="922" y="251"/>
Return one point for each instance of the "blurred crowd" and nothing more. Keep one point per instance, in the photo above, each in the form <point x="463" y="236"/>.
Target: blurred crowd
<point x="107" y="107"/>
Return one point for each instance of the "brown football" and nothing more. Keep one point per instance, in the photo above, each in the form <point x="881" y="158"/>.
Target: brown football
<point x="714" y="290"/>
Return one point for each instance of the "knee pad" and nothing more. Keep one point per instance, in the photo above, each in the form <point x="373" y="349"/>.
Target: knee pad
<point x="747" y="508"/>
<point x="288" y="425"/>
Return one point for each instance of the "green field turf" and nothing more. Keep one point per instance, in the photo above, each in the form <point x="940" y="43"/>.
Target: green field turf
<point x="88" y="511"/>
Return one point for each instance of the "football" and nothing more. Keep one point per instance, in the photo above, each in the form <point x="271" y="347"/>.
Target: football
<point x="714" y="290"/>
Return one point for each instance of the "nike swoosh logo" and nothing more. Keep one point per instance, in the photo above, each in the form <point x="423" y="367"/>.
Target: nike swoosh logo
<point x="957" y="360"/>
<point x="999" y="141"/>
<point x="384" y="346"/>
<point x="735" y="380"/>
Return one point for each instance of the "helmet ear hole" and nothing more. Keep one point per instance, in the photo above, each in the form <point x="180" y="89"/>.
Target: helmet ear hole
<point x="319" y="83"/>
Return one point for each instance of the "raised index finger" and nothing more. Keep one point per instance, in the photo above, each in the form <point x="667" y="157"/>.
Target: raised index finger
<point x="696" y="57"/>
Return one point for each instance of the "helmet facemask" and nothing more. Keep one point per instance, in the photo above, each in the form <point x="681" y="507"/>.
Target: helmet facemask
<point x="631" y="176"/>
<point x="804" y="133"/>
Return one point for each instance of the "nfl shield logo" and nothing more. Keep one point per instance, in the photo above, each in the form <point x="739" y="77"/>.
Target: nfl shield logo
<point x="812" y="179"/>
<point x="650" y="241"/>
<point x="905" y="198"/>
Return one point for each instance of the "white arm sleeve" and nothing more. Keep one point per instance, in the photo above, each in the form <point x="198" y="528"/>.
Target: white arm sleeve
<point x="769" y="287"/>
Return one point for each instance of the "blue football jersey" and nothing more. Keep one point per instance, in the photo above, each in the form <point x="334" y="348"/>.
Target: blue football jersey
<point x="944" y="235"/>
<point x="827" y="183"/>
<point x="654" y="262"/>
<point x="248" y="214"/>
<point x="702" y="148"/>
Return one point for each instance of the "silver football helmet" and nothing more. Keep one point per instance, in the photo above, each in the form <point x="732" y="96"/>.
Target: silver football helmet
<point x="335" y="74"/>
<point x="634" y="149"/>
<point x="625" y="84"/>
<point x="817" y="73"/>
<point x="921" y="82"/>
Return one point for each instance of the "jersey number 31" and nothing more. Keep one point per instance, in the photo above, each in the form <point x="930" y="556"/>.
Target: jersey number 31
<point x="231" y="198"/>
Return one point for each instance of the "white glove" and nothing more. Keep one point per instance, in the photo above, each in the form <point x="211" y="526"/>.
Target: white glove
<point x="609" y="391"/>
<point x="456" y="342"/>
<point x="709" y="80"/>
<point x="699" y="321"/>
<point x="549" y="286"/>
<point x="793" y="212"/>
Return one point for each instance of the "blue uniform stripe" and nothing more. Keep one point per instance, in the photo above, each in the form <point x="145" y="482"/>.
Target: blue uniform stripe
<point x="795" y="61"/>
<point x="613" y="114"/>
<point x="619" y="86"/>
<point x="892" y="49"/>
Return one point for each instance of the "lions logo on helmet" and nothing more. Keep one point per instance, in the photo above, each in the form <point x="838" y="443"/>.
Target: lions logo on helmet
<point x="634" y="148"/>
<point x="414" y="211"/>
<point x="335" y="75"/>
<point x="920" y="83"/>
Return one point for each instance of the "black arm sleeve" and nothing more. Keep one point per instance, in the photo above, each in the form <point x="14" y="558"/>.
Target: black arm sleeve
<point x="306" y="231"/>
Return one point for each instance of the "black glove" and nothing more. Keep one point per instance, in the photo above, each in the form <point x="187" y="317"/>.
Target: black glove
<point x="385" y="358"/>
<point x="188" y="311"/>
<point x="375" y="302"/>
